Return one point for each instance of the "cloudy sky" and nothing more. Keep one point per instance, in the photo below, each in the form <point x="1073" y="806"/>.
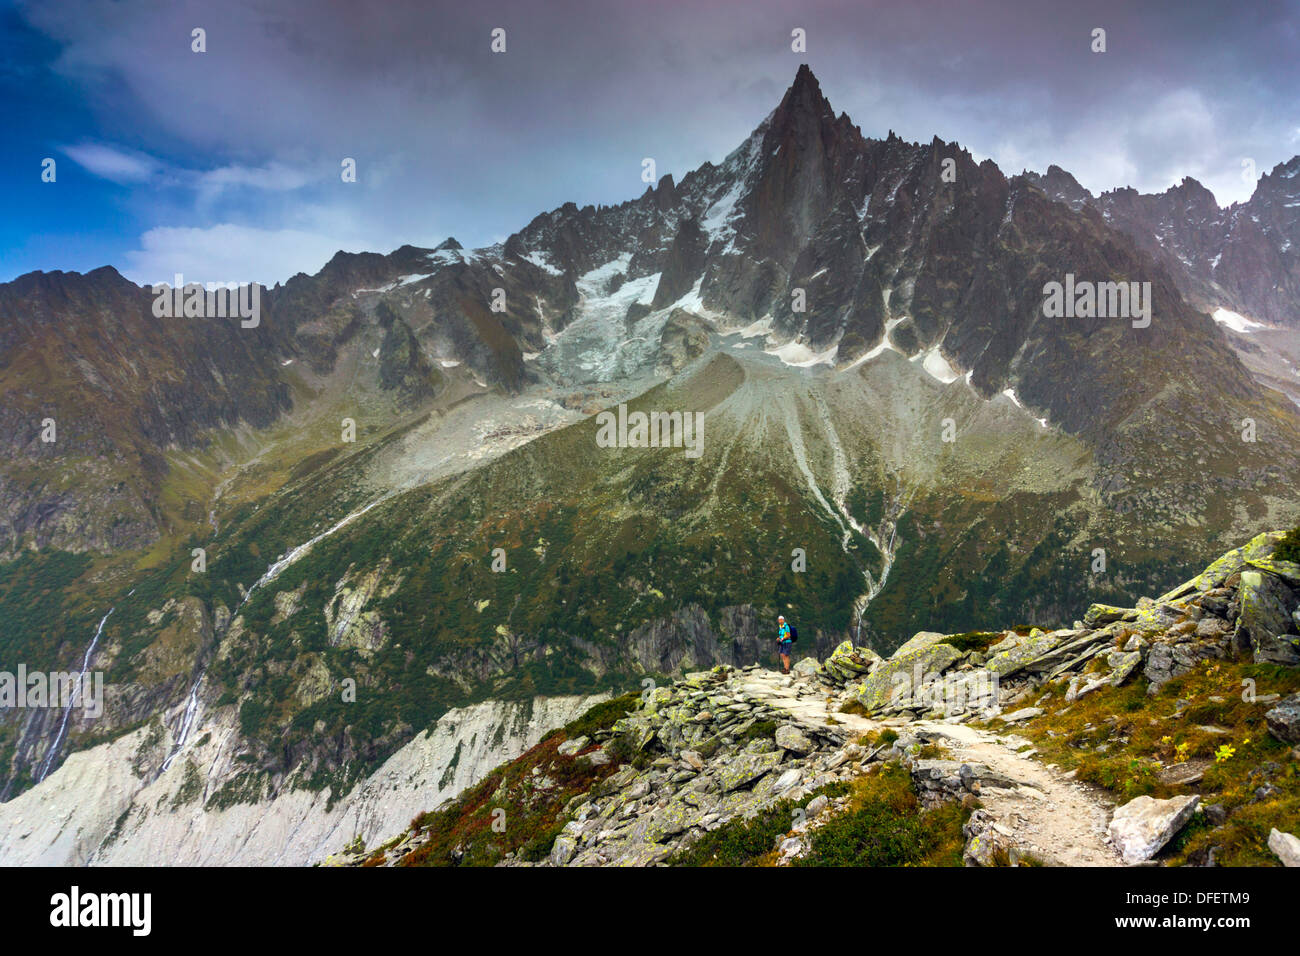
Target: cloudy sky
<point x="225" y="165"/>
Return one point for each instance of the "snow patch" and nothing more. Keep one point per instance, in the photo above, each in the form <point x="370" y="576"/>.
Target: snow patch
<point x="1011" y="394"/>
<point x="539" y="260"/>
<point x="1236" y="322"/>
<point x="799" y="355"/>
<point x="932" y="361"/>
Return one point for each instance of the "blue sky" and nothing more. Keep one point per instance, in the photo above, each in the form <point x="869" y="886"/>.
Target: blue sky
<point x="224" y="165"/>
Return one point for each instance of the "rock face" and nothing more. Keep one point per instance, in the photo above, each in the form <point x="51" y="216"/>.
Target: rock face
<point x="131" y="385"/>
<point x="1245" y="257"/>
<point x="104" y="807"/>
<point x="685" y="337"/>
<point x="1267" y="603"/>
<point x="1142" y="827"/>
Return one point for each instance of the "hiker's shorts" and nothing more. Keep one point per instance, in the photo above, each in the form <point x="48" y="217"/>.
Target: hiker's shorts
<point x="785" y="647"/>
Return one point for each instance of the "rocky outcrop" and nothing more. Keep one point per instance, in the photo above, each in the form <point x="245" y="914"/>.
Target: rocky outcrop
<point x="730" y="745"/>
<point x="708" y="749"/>
<point x="1242" y="604"/>
<point x="684" y="338"/>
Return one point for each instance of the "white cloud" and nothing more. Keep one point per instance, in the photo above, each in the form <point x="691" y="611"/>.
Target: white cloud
<point x="273" y="176"/>
<point x="232" y="253"/>
<point x="112" y="163"/>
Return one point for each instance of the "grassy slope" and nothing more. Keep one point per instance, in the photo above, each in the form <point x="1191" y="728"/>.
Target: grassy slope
<point x="1132" y="744"/>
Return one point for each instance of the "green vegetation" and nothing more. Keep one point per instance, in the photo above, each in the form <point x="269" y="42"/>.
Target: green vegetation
<point x="1288" y="549"/>
<point x="974" y="640"/>
<point x="601" y="717"/>
<point x="882" y="824"/>
<point x="759" y="728"/>
<point x="885" y="825"/>
<point x="37" y="613"/>
<point x="748" y="841"/>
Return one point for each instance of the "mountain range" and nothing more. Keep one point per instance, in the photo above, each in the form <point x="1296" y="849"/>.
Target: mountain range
<point x="897" y="437"/>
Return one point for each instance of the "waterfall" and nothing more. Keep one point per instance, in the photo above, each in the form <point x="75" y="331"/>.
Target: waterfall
<point x="53" y="752"/>
<point x="272" y="572"/>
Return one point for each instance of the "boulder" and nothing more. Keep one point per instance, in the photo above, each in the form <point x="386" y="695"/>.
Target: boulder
<point x="791" y="738"/>
<point x="1286" y="846"/>
<point x="1122" y="664"/>
<point x="986" y="844"/>
<point x="847" y="663"/>
<point x="1284" y="720"/>
<point x="808" y="667"/>
<point x="563" y="849"/>
<point x="1069" y="652"/>
<point x="1287" y="570"/>
<point x="1266" y="605"/>
<point x="1167" y="661"/>
<point x="787" y="780"/>
<point x="1025" y="713"/>
<point x="918" y="641"/>
<point x="1157" y="619"/>
<point x="1006" y="662"/>
<point x="960" y="692"/>
<point x="1212" y="628"/>
<point x="906" y="673"/>
<point x="1099" y="614"/>
<point x="746" y="769"/>
<point x="1140" y="828"/>
<point x="571" y="747"/>
<point x="1260" y="546"/>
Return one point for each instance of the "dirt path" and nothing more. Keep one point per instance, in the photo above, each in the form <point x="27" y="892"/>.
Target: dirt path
<point x="1052" y="816"/>
<point x="1046" y="813"/>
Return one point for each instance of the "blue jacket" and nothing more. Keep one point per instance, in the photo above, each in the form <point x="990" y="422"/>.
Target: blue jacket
<point x="783" y="634"/>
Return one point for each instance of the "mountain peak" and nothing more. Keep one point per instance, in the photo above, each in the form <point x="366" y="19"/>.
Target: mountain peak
<point x="804" y="77"/>
<point x="804" y="97"/>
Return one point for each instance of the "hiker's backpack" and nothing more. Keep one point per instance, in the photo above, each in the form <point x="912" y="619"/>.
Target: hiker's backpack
<point x="794" y="633"/>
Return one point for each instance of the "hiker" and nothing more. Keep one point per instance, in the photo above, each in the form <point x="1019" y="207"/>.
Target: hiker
<point x="785" y="637"/>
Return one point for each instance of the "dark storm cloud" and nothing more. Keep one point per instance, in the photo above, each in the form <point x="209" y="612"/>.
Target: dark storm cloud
<point x="245" y="140"/>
